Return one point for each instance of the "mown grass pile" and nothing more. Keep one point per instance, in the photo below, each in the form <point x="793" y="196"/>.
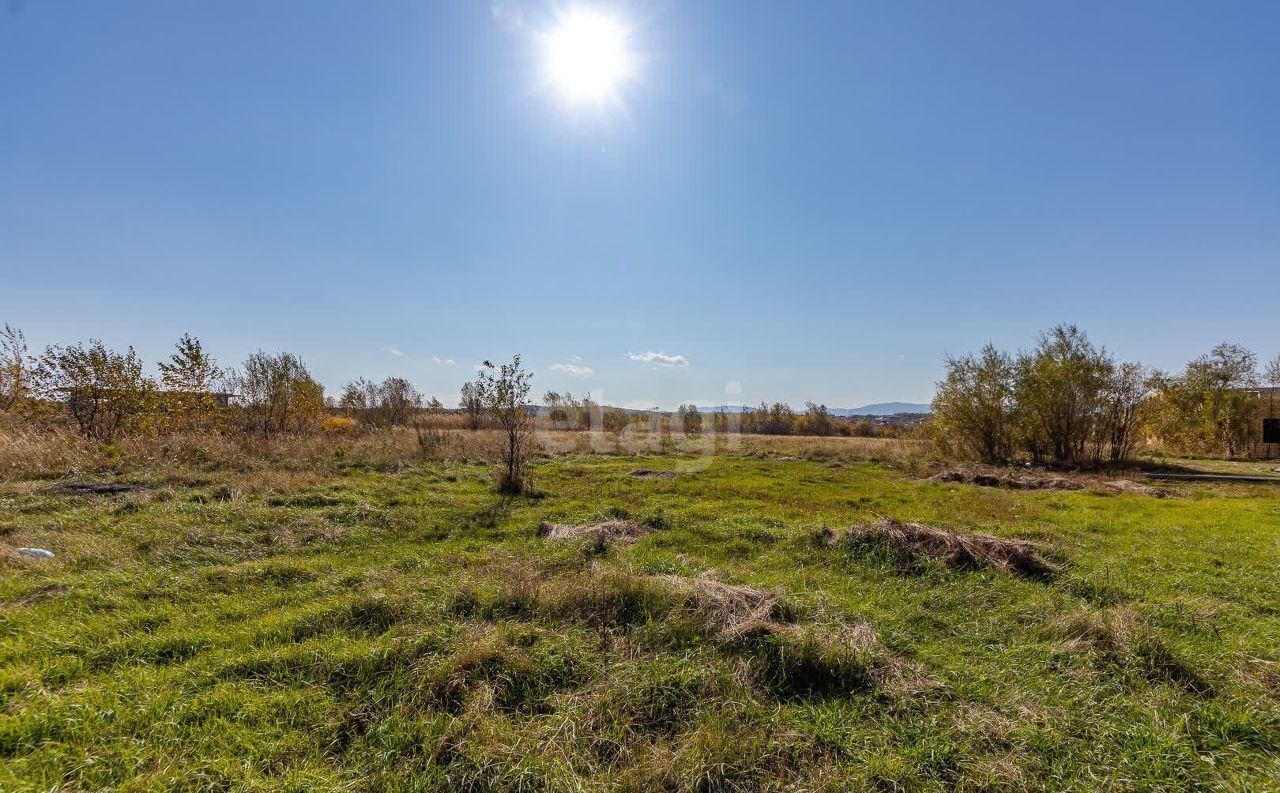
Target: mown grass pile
<point x="363" y="628"/>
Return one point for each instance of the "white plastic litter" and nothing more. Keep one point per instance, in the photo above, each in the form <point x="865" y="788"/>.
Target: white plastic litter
<point x="37" y="553"/>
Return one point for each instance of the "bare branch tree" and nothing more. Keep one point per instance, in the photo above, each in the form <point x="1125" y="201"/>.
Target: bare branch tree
<point x="279" y="394"/>
<point x="15" y="368"/>
<point x="503" y="390"/>
<point x="471" y="405"/>
<point x="106" y="391"/>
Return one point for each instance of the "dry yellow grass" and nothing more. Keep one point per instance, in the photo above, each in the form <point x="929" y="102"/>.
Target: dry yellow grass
<point x="27" y="453"/>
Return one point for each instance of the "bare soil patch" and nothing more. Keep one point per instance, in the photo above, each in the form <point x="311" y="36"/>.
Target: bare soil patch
<point x="1012" y="479"/>
<point x="603" y="533"/>
<point x="1130" y="486"/>
<point x="956" y="549"/>
<point x="1030" y="479"/>
<point x="646" y="473"/>
<point x="99" y="488"/>
<point x="40" y="593"/>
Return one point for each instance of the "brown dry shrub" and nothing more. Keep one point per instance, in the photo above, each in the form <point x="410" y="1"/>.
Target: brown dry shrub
<point x="957" y="550"/>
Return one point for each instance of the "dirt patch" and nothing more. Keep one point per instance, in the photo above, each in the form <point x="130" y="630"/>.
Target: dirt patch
<point x="1137" y="488"/>
<point x="99" y="488"/>
<point x="956" y="549"/>
<point x="1008" y="478"/>
<point x="1023" y="479"/>
<point x="645" y="473"/>
<point x="603" y="533"/>
<point x="40" y="593"/>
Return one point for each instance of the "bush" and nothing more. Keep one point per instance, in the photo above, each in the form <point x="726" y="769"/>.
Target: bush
<point x="1209" y="406"/>
<point x="503" y="390"/>
<point x="390" y="403"/>
<point x="279" y="394"/>
<point x="106" y="391"/>
<point x="1066" y="402"/>
<point x="338" y="424"/>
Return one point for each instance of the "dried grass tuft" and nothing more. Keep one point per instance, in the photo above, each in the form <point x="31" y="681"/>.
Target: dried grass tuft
<point x="1119" y="637"/>
<point x="604" y="533"/>
<point x="99" y="488"/>
<point x="729" y="611"/>
<point x="38" y="594"/>
<point x="957" y="550"/>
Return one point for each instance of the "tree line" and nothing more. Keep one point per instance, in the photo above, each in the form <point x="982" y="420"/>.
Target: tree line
<point x="1065" y="401"/>
<point x="109" y="394"/>
<point x="1069" y="402"/>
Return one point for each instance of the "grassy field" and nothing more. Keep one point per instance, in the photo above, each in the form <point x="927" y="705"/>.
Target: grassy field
<point x="349" y="626"/>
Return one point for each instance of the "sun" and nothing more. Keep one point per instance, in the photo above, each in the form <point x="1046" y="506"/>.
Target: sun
<point x="586" y="56"/>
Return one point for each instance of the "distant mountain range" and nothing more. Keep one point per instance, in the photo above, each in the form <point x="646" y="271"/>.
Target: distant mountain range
<point x="878" y="409"/>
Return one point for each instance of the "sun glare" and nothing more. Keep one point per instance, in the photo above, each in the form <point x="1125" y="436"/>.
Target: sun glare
<point x="587" y="57"/>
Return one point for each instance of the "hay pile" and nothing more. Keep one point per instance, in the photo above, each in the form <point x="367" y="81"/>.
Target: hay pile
<point x="729" y="611"/>
<point x="604" y="533"/>
<point x="957" y="550"/>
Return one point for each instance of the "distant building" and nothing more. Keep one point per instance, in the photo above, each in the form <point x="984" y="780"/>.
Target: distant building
<point x="219" y="398"/>
<point x="1265" y="432"/>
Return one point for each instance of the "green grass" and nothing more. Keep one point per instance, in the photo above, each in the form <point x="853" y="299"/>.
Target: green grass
<point x="410" y="631"/>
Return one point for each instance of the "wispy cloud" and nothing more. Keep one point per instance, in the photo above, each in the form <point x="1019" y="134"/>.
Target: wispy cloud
<point x="396" y="353"/>
<point x="438" y="361"/>
<point x="575" y="369"/>
<point x="656" y="359"/>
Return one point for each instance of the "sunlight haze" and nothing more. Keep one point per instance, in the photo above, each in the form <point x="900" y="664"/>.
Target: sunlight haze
<point x="815" y="201"/>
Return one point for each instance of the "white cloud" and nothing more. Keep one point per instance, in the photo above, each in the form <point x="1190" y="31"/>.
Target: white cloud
<point x="438" y="361"/>
<point x="656" y="359"/>
<point x="575" y="369"/>
<point x="396" y="353"/>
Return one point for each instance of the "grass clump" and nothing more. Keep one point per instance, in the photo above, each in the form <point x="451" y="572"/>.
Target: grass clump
<point x="1118" y="639"/>
<point x="505" y="668"/>
<point x="957" y="550"/>
<point x="807" y="662"/>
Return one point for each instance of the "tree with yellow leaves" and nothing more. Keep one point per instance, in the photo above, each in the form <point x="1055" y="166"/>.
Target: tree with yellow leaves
<point x="191" y="378"/>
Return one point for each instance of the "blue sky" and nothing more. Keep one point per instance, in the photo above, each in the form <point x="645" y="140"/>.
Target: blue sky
<point x="801" y="200"/>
